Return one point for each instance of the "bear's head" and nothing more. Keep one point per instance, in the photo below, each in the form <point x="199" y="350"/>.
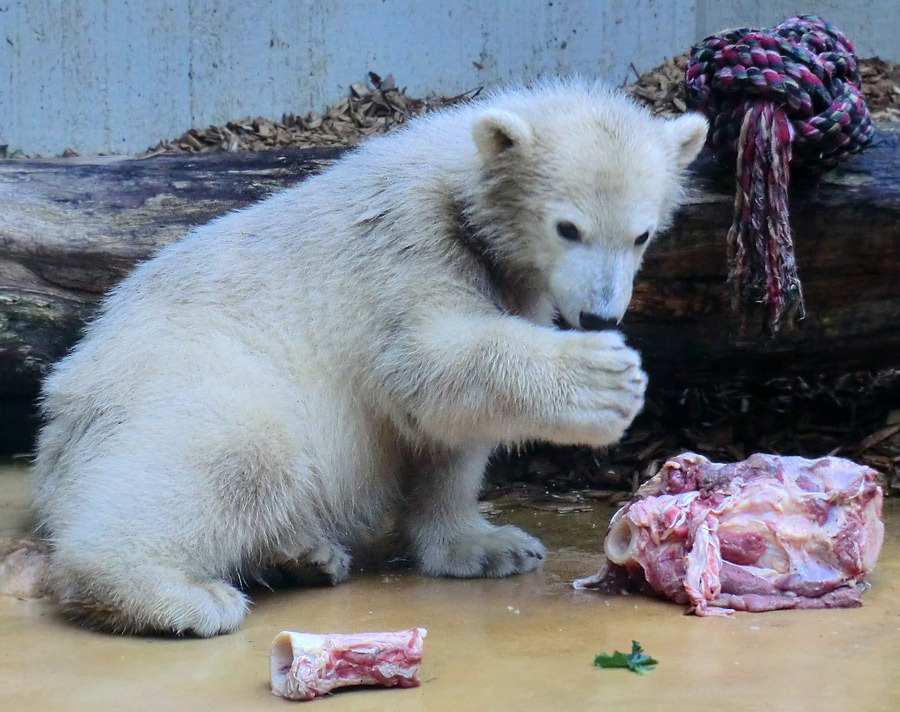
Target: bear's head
<point x="576" y="182"/>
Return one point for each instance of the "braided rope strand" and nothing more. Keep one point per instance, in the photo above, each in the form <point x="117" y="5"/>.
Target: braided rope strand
<point x="789" y="94"/>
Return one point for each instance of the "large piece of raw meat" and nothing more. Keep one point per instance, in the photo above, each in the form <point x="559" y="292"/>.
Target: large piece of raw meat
<point x="767" y="533"/>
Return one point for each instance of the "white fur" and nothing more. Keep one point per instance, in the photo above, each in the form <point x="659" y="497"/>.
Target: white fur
<point x="260" y="394"/>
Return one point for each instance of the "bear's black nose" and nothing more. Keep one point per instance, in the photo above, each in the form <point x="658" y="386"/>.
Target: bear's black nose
<point x="592" y="322"/>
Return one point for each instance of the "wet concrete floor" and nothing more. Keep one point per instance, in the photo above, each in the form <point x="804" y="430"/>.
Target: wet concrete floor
<point x="523" y="643"/>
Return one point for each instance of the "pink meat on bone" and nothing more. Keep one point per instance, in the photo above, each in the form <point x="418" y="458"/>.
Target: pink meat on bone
<point x="308" y="665"/>
<point x="767" y="533"/>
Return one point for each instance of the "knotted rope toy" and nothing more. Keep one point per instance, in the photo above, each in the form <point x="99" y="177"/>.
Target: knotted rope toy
<point x="788" y="94"/>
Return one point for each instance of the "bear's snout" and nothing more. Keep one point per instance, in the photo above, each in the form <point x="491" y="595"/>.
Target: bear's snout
<point x="595" y="322"/>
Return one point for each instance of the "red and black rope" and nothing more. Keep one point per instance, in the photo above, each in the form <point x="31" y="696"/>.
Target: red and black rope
<point x="786" y="95"/>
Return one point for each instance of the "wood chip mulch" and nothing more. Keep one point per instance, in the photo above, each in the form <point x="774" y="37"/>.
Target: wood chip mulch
<point x="380" y="105"/>
<point x="367" y="110"/>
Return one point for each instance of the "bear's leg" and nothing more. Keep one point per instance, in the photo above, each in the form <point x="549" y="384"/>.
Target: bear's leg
<point x="448" y="535"/>
<point x="125" y="596"/>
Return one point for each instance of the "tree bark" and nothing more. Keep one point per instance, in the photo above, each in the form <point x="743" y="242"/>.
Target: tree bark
<point x="71" y="228"/>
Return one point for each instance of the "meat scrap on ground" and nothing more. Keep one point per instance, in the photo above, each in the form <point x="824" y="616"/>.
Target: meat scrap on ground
<point x="764" y="534"/>
<point x="307" y="665"/>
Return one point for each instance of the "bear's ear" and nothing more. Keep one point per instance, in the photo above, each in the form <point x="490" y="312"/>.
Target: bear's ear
<point x="687" y="134"/>
<point x="497" y="131"/>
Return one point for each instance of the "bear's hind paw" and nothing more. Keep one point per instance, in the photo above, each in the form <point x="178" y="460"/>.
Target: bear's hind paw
<point x="327" y="563"/>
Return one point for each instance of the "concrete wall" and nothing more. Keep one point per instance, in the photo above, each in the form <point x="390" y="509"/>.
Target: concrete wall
<point x="115" y="76"/>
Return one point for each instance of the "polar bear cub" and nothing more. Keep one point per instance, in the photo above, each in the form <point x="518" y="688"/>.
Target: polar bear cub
<point x="261" y="394"/>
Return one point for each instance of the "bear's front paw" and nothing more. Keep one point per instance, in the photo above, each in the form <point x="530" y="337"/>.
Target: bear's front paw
<point x="605" y="389"/>
<point x="219" y="608"/>
<point x="483" y="550"/>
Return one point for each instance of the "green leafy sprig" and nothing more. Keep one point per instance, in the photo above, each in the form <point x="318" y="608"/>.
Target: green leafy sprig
<point x="638" y="661"/>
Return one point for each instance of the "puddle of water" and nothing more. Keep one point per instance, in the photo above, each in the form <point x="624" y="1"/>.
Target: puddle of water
<point x="523" y="643"/>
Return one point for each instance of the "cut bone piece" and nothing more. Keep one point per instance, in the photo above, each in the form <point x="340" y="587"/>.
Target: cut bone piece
<point x="307" y="665"/>
<point x="620" y="545"/>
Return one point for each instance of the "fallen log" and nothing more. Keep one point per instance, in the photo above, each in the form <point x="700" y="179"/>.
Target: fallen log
<point x="72" y="228"/>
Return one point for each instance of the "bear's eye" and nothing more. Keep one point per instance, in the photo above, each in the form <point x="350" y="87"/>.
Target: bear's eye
<point x="641" y="239"/>
<point x="568" y="231"/>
